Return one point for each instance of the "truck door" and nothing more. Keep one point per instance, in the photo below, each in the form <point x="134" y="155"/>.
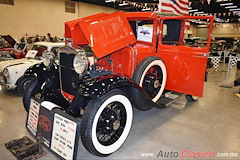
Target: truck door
<point x="185" y="62"/>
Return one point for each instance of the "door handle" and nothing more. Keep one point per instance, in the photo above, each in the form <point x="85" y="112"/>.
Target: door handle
<point x="203" y="55"/>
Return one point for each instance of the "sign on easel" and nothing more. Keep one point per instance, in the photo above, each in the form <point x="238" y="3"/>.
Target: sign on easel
<point x="63" y="134"/>
<point x="60" y="130"/>
<point x="32" y="120"/>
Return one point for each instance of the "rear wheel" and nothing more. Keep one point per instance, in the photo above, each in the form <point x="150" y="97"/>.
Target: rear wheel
<point x="31" y="90"/>
<point x="106" y="123"/>
<point x="151" y="75"/>
<point x="191" y="98"/>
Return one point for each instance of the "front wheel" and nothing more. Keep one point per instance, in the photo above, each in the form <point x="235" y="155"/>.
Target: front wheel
<point x="106" y="123"/>
<point x="30" y="91"/>
<point x="23" y="83"/>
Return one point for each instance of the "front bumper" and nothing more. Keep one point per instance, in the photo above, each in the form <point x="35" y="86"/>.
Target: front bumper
<point x="3" y="79"/>
<point x="3" y="82"/>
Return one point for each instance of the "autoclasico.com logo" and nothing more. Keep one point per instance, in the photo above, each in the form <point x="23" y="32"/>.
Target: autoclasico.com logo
<point x="186" y="154"/>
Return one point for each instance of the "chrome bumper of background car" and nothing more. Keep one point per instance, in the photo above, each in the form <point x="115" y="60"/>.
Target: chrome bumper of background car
<point x="10" y="86"/>
<point x="3" y="79"/>
<point x="3" y="82"/>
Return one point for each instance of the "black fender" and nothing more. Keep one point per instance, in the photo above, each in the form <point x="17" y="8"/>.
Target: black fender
<point x="41" y="72"/>
<point x="49" y="77"/>
<point x="104" y="84"/>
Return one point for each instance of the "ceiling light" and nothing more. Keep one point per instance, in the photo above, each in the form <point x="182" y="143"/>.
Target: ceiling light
<point x="193" y="10"/>
<point x="189" y="7"/>
<point x="146" y="9"/>
<point x="198" y="12"/>
<point x="221" y="0"/>
<point x="108" y="1"/>
<point x="123" y="4"/>
<point x="236" y="9"/>
<point x="231" y="7"/>
<point x="226" y="4"/>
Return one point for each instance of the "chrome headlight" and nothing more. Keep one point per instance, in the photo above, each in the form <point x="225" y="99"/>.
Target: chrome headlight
<point x="6" y="73"/>
<point x="80" y="63"/>
<point x="48" y="58"/>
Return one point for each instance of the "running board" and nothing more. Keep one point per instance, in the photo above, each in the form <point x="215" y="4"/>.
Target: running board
<point x="168" y="98"/>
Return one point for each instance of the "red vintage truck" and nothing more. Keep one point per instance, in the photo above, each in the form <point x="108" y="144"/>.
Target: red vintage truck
<point x="140" y="60"/>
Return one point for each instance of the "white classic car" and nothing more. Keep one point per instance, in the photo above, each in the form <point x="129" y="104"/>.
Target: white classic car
<point x="11" y="71"/>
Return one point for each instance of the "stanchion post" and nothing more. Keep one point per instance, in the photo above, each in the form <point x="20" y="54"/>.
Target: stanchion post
<point x="228" y="71"/>
<point x="224" y="61"/>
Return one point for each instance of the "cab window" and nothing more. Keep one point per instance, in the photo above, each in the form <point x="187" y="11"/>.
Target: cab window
<point x="171" y="32"/>
<point x="196" y="33"/>
<point x="143" y="30"/>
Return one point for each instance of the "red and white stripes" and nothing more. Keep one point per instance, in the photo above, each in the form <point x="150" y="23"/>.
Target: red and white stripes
<point x="174" y="6"/>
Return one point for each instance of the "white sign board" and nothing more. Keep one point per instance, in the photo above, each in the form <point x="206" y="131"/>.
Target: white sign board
<point x="145" y="34"/>
<point x="32" y="121"/>
<point x="63" y="136"/>
<point x="31" y="54"/>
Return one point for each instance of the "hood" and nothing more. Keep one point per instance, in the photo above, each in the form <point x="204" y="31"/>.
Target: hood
<point x="105" y="33"/>
<point x="16" y="62"/>
<point x="9" y="39"/>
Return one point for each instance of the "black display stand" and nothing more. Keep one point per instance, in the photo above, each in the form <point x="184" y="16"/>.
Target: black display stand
<point x="60" y="130"/>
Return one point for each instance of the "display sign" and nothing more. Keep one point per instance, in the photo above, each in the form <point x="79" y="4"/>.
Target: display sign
<point x="63" y="140"/>
<point x="145" y="33"/>
<point x="31" y="54"/>
<point x="60" y="130"/>
<point x="32" y="120"/>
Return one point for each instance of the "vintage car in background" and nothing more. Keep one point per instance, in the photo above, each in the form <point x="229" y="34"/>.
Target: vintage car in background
<point x="7" y="46"/>
<point x="140" y="60"/>
<point x="229" y="41"/>
<point x="17" y="50"/>
<point x="11" y="71"/>
<point x="194" y="40"/>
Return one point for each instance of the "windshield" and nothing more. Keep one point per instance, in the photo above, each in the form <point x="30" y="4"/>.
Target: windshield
<point x="20" y="46"/>
<point x="39" y="48"/>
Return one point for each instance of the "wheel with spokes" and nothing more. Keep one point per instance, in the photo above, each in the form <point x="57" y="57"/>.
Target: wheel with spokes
<point x="106" y="123"/>
<point x="151" y="75"/>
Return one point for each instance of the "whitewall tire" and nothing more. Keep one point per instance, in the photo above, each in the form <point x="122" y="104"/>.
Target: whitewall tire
<point x="151" y="75"/>
<point x="106" y="123"/>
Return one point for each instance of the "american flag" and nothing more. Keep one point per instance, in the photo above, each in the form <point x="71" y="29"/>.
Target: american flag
<point x="174" y="6"/>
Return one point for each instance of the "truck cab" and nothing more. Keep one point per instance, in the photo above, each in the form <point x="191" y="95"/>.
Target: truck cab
<point x="122" y="48"/>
